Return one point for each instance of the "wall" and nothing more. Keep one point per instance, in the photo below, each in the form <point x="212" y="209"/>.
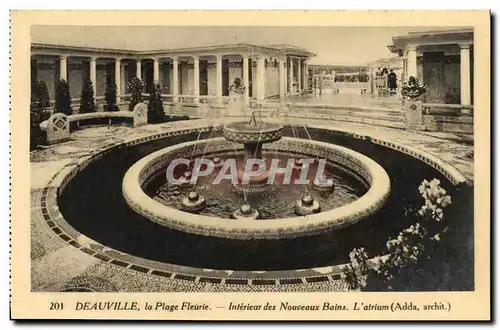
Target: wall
<point x="254" y="80"/>
<point x="272" y="80"/>
<point x="75" y="79"/>
<point x="123" y="82"/>
<point x="46" y="70"/>
<point x="100" y="79"/>
<point x="453" y="124"/>
<point x="184" y="77"/>
<point x="165" y="81"/>
<point x="212" y="79"/>
<point x="235" y="71"/>
<point x="452" y="83"/>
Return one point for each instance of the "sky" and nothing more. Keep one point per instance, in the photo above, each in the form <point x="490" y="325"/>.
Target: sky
<point x="333" y="45"/>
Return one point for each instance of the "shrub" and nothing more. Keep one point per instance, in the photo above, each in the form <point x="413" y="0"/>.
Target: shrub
<point x="156" y="112"/>
<point x="63" y="98"/>
<point x="40" y="100"/>
<point x="87" y="101"/>
<point x="135" y="88"/>
<point x="110" y="96"/>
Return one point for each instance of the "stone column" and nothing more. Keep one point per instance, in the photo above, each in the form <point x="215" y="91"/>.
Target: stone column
<point x="196" y="80"/>
<point x="138" y="72"/>
<point x="299" y="76"/>
<point x="218" y="74"/>
<point x="412" y="61"/>
<point x="175" y="78"/>
<point x="306" y="75"/>
<point x="465" y="95"/>
<point x="282" y="79"/>
<point x="290" y="77"/>
<point x="63" y="67"/>
<point x="156" y="71"/>
<point x="118" y="79"/>
<point x="93" y="74"/>
<point x="261" y="79"/>
<point x="124" y="79"/>
<point x="246" y="78"/>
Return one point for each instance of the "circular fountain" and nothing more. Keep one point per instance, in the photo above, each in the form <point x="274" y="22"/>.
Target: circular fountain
<point x="284" y="213"/>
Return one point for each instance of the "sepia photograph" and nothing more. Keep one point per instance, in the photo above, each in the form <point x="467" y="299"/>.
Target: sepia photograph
<point x="252" y="159"/>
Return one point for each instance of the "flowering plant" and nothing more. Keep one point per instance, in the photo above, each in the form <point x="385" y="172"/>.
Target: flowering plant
<point x="237" y="86"/>
<point x="413" y="89"/>
<point x="403" y="252"/>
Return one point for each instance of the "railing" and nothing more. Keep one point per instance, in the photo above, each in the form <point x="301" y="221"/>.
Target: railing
<point x="381" y="86"/>
<point x="447" y="109"/>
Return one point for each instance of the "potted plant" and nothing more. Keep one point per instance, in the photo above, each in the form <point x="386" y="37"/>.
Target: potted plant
<point x="413" y="90"/>
<point x="237" y="88"/>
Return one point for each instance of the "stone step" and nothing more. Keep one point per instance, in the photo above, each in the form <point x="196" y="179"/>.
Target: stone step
<point x="379" y="122"/>
<point x="363" y="114"/>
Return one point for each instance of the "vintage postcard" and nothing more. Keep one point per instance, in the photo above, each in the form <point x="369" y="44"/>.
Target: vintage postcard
<point x="250" y="165"/>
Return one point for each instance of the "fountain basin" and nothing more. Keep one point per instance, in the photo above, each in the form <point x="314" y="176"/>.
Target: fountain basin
<point x="367" y="170"/>
<point x="241" y="132"/>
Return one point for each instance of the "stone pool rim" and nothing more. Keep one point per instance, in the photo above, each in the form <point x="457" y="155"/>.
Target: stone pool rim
<point x="379" y="188"/>
<point x="58" y="225"/>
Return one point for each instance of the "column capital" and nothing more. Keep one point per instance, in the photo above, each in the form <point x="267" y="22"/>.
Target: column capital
<point x="118" y="59"/>
<point x="93" y="58"/>
<point x="411" y="48"/>
<point x="63" y="57"/>
<point x="195" y="57"/>
<point x="464" y="45"/>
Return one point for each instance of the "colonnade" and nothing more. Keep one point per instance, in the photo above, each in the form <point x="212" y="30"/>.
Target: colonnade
<point x="295" y="84"/>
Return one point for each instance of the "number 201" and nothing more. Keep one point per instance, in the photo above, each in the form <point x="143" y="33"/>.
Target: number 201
<point x="55" y="306"/>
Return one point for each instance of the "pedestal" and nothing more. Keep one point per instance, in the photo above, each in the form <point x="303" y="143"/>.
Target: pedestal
<point x="413" y="115"/>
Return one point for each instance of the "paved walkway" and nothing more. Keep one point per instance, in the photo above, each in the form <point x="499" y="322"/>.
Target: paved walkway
<point x="57" y="266"/>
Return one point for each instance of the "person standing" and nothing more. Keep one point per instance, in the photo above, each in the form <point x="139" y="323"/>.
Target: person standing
<point x="392" y="81"/>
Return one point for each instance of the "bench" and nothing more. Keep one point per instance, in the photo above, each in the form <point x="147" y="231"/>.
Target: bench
<point x="59" y="126"/>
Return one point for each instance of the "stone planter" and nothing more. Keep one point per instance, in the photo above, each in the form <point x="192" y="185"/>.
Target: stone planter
<point x="413" y="114"/>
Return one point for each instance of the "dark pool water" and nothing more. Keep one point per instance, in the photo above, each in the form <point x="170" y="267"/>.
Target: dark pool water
<point x="93" y="204"/>
<point x="276" y="202"/>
